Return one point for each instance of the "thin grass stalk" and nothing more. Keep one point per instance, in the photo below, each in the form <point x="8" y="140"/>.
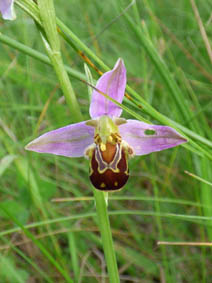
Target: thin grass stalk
<point x="182" y="217"/>
<point x="52" y="44"/>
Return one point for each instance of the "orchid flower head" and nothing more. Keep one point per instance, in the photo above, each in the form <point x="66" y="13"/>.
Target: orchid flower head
<point x="107" y="140"/>
<point x="7" y="9"/>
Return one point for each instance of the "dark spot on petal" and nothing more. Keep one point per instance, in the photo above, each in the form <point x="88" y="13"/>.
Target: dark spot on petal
<point x="149" y="132"/>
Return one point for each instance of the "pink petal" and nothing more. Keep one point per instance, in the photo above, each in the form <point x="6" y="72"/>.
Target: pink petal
<point x="69" y="141"/>
<point x="112" y="83"/>
<point x="146" y="138"/>
<point x="7" y="9"/>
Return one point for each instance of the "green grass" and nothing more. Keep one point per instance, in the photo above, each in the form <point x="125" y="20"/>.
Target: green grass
<point x="168" y="71"/>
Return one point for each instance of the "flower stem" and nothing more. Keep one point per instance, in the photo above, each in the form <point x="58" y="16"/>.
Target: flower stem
<point x="106" y="235"/>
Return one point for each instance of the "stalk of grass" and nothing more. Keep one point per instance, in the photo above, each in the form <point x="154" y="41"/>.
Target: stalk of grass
<point x="192" y="218"/>
<point x="37" y="55"/>
<point x="74" y="257"/>
<point x="198" y="178"/>
<point x="52" y="44"/>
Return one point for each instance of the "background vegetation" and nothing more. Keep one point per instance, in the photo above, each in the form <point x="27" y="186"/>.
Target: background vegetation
<point x="160" y="202"/>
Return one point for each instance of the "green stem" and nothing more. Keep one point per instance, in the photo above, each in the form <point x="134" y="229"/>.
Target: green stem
<point x="107" y="240"/>
<point x="74" y="257"/>
<point x="52" y="44"/>
<point x="191" y="218"/>
<point x="66" y="87"/>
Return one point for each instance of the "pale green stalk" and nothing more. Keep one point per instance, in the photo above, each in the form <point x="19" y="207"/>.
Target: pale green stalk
<point x="37" y="55"/>
<point x="183" y="217"/>
<point x="73" y="252"/>
<point x="52" y="44"/>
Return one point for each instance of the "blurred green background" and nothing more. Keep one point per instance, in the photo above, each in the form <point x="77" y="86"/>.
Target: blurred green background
<point x="156" y="203"/>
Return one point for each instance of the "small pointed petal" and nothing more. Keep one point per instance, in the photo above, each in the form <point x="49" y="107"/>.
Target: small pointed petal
<point x="112" y="83"/>
<point x="7" y="9"/>
<point x="70" y="141"/>
<point x="145" y="138"/>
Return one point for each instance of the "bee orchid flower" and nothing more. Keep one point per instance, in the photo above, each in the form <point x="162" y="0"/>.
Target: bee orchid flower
<point x="7" y="9"/>
<point x="107" y="140"/>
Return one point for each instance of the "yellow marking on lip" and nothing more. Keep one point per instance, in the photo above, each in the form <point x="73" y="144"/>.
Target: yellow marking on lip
<point x="103" y="147"/>
<point x="102" y="185"/>
<point x="110" y="139"/>
<point x="116" y="184"/>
